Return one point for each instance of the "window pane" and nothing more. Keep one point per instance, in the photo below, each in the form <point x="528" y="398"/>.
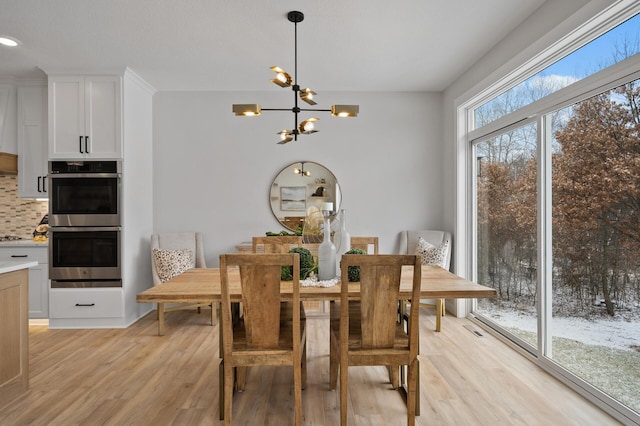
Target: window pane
<point x="595" y="327"/>
<point x="506" y="226"/>
<point x="616" y="45"/>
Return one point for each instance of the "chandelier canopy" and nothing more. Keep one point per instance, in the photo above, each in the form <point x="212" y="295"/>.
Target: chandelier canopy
<point x="284" y="79"/>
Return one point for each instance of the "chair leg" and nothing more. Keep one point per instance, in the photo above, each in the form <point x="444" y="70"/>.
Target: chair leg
<point x="241" y="378"/>
<point x="297" y="392"/>
<point x="394" y="375"/>
<point x="417" y="387"/>
<point x="228" y="393"/>
<point x="334" y="362"/>
<point x="411" y="393"/>
<point x="221" y="388"/>
<point x="303" y="363"/>
<point x="343" y="392"/>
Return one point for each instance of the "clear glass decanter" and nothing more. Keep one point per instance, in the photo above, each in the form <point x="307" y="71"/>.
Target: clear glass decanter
<point x="327" y="252"/>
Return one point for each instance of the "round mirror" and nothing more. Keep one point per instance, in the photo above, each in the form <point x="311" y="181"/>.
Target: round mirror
<point x="303" y="189"/>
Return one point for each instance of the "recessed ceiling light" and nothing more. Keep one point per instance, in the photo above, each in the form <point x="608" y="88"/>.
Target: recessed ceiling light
<point x="9" y="41"/>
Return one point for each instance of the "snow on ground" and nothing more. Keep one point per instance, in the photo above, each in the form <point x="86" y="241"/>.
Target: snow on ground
<point x="616" y="333"/>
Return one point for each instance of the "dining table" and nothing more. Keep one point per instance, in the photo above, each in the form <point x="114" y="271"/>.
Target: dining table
<point x="202" y="285"/>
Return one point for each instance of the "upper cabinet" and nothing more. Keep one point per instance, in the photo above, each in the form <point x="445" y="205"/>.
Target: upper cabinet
<point x="32" y="141"/>
<point x="85" y="117"/>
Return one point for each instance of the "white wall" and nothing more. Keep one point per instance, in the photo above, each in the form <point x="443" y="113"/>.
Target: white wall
<point x="137" y="193"/>
<point x="213" y="171"/>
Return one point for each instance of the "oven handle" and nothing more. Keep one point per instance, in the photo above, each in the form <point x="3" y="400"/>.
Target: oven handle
<point x="85" y="175"/>
<point x="84" y="228"/>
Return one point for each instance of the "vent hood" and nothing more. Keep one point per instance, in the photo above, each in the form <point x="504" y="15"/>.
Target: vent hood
<point x="8" y="164"/>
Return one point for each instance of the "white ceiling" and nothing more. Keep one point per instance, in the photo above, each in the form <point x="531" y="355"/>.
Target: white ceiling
<point x="359" y="45"/>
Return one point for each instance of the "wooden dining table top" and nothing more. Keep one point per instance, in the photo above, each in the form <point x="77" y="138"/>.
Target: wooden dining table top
<point x="203" y="285"/>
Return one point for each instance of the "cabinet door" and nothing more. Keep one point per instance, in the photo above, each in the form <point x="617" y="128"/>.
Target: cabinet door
<point x="66" y="117"/>
<point x="103" y="117"/>
<point x="32" y="142"/>
<point x="39" y="291"/>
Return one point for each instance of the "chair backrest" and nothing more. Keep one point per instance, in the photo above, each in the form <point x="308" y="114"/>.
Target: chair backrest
<point x="379" y="289"/>
<point x="260" y="287"/>
<point x="178" y="241"/>
<point x="409" y="242"/>
<point x="276" y="243"/>
<point x="363" y="243"/>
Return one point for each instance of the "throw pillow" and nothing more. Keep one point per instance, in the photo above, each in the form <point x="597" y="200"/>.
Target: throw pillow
<point x="171" y="263"/>
<point x="432" y="255"/>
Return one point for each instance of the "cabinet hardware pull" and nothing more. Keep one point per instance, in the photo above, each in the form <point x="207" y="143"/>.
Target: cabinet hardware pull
<point x="81" y="145"/>
<point x="85" y="304"/>
<point x="39" y="178"/>
<point x="44" y="184"/>
<point x="19" y="255"/>
<point x="86" y="144"/>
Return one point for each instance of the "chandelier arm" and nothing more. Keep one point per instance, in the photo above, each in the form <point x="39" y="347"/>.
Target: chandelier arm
<point x="278" y="109"/>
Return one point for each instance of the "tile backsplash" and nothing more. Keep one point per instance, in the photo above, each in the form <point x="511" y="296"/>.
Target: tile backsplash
<point x="18" y="216"/>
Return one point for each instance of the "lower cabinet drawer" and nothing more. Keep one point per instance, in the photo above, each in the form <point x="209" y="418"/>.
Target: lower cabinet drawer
<point x="14" y="253"/>
<point x="85" y="303"/>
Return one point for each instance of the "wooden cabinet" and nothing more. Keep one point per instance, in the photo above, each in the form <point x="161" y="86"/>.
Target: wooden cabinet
<point x="85" y="117"/>
<point x="38" y="276"/>
<point x="32" y="141"/>
<point x="14" y="335"/>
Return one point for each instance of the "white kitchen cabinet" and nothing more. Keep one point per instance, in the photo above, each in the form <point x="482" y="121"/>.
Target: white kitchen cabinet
<point x="85" y="117"/>
<point x="38" y="275"/>
<point x="32" y="141"/>
<point x="85" y="303"/>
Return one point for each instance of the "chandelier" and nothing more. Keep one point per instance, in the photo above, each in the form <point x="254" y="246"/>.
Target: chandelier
<point x="284" y="79"/>
<point x="301" y="171"/>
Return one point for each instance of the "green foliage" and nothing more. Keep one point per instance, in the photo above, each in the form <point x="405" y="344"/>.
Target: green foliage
<point x="354" y="271"/>
<point x="285" y="233"/>
<point x="307" y="265"/>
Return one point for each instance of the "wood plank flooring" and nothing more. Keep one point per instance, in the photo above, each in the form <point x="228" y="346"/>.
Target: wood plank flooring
<point x="135" y="377"/>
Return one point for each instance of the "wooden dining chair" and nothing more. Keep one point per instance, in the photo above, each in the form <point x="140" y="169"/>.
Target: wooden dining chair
<point x="269" y="332"/>
<point x="368" y="332"/>
<point x="276" y="243"/>
<point x="363" y="243"/>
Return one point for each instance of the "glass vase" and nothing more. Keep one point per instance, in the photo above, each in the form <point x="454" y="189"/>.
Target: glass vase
<point x="327" y="253"/>
<point x="343" y="240"/>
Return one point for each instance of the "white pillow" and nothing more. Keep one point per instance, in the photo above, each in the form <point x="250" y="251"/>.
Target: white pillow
<point x="432" y="255"/>
<point x="171" y="263"/>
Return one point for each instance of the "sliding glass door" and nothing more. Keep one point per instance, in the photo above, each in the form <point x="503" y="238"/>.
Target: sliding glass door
<point x="595" y="330"/>
<point x="581" y="312"/>
<point x="506" y="230"/>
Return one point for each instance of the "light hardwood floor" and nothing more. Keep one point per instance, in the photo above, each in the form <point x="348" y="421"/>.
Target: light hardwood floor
<point x="135" y="377"/>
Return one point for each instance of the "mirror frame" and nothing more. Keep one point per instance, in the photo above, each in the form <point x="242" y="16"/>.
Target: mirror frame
<point x="318" y="188"/>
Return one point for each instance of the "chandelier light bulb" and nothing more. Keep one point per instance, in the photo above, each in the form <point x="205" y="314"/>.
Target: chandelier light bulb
<point x="8" y="41"/>
<point x="308" y="127"/>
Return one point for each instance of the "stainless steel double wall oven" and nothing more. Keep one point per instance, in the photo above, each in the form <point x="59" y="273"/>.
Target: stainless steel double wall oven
<point x="85" y="224"/>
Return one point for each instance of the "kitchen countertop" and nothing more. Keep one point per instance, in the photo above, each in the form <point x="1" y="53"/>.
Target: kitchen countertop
<point x="16" y="265"/>
<point x="23" y="243"/>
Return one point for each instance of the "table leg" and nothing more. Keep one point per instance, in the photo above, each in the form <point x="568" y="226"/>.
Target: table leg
<point x="439" y="309"/>
<point x="160" y="319"/>
<point x="221" y="366"/>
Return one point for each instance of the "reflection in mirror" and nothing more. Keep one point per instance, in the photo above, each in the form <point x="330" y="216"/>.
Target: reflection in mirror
<point x="301" y="190"/>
